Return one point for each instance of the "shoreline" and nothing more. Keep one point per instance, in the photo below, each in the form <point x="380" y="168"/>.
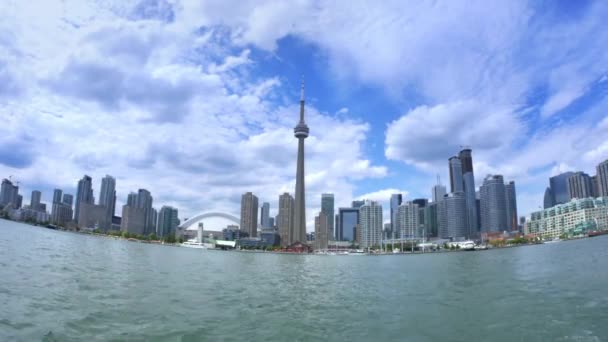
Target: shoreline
<point x="160" y="243"/>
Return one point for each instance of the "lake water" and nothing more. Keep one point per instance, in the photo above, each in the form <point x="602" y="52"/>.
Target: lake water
<point x="57" y="286"/>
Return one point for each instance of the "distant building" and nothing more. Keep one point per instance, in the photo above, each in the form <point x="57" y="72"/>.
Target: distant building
<point x="285" y="218"/>
<point x="594" y="187"/>
<point x="133" y="220"/>
<point x="35" y="200"/>
<point x="452" y="217"/>
<point x="511" y="203"/>
<point x="271" y="222"/>
<point x="144" y="200"/>
<point x="548" y="199"/>
<point x="84" y="195"/>
<point x="348" y="220"/>
<point x="321" y="231"/>
<point x="9" y="194"/>
<point x="249" y="214"/>
<point x="68" y="199"/>
<point x="580" y="185"/>
<point x="61" y="214"/>
<point x="265" y="215"/>
<point x="575" y="217"/>
<point x="57" y="193"/>
<point x="438" y="193"/>
<point x="431" y="223"/>
<point x="602" y="178"/>
<point x="559" y="188"/>
<point x="370" y="222"/>
<point x="469" y="191"/>
<point x="357" y="204"/>
<point x="456" y="182"/>
<point x="493" y="204"/>
<point x="327" y="207"/>
<point x="168" y="221"/>
<point x="94" y="216"/>
<point x="233" y="233"/>
<point x="107" y="195"/>
<point x="270" y="237"/>
<point x="407" y="220"/>
<point x="396" y="200"/>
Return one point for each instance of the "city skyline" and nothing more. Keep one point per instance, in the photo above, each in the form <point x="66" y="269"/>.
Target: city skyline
<point x="199" y="109"/>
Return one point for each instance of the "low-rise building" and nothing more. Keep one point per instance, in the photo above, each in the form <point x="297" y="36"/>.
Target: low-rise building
<point x="575" y="217"/>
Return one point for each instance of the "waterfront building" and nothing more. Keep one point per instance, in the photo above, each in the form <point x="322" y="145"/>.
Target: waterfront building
<point x="493" y="204"/>
<point x="422" y="203"/>
<point x="270" y="237"/>
<point x="370" y="222"/>
<point x="168" y="221"/>
<point x="35" y="200"/>
<point x="153" y="220"/>
<point x="301" y="132"/>
<point x="321" y="231"/>
<point x="132" y="199"/>
<point x="271" y="222"/>
<point x="107" y="195"/>
<point x="265" y="215"/>
<point x="452" y="217"/>
<point x="575" y="217"/>
<point x="396" y="200"/>
<point x="347" y="223"/>
<point x="511" y="202"/>
<point x="233" y="233"/>
<point x="133" y="220"/>
<point x="94" y="216"/>
<point x="249" y="214"/>
<point x="469" y="190"/>
<point x="456" y="182"/>
<point x="431" y="223"/>
<point x="61" y="214"/>
<point x="144" y="201"/>
<point x="595" y="191"/>
<point x="327" y="207"/>
<point x="559" y="187"/>
<point x="407" y="220"/>
<point x="285" y="218"/>
<point x="84" y="195"/>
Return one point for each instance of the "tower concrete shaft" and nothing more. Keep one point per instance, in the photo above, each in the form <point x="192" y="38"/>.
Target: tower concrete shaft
<point x="300" y="132"/>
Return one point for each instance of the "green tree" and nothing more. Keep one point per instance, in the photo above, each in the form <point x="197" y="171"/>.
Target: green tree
<point x="170" y="238"/>
<point x="152" y="237"/>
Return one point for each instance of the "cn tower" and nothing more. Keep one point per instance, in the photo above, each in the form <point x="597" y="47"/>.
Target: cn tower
<point x="299" y="224"/>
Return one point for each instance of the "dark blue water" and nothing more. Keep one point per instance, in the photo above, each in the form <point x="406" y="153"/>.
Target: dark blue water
<point x="64" y="286"/>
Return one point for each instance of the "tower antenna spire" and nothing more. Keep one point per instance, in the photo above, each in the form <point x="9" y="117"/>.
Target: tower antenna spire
<point x="302" y="90"/>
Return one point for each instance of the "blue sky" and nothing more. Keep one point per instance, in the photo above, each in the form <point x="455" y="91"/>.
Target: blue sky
<point x="196" y="100"/>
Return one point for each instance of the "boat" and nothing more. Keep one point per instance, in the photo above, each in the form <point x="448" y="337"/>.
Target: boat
<point x="195" y="244"/>
<point x="343" y="253"/>
<point x="357" y="252"/>
<point x="481" y="247"/>
<point x="553" y="240"/>
<point x="597" y="233"/>
<point x="467" y="245"/>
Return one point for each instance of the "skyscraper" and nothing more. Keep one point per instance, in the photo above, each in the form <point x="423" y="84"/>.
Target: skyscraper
<point x="57" y="193"/>
<point x="285" y="218"/>
<point x="132" y="199"/>
<point x="548" y="200"/>
<point x="602" y="178"/>
<point x="167" y="221"/>
<point x="9" y="194"/>
<point x="68" y="199"/>
<point x="357" y="203"/>
<point x="407" y="220"/>
<point x="395" y="203"/>
<point x="595" y="189"/>
<point x="469" y="190"/>
<point x="265" y="215"/>
<point x="321" y="231"/>
<point x="144" y="201"/>
<point x="348" y="220"/>
<point x="35" y="200"/>
<point x="107" y="194"/>
<point x="452" y="217"/>
<point x="300" y="132"/>
<point x="559" y="188"/>
<point x="438" y="192"/>
<point x="370" y="223"/>
<point x="456" y="182"/>
<point x="493" y="204"/>
<point x="511" y="202"/>
<point x="249" y="214"/>
<point x="84" y="194"/>
<point x="327" y="207"/>
<point x="579" y="185"/>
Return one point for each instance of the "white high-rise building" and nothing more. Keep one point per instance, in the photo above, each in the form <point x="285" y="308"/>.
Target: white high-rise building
<point x="370" y="223"/>
<point x="249" y="214"/>
<point x="407" y="220"/>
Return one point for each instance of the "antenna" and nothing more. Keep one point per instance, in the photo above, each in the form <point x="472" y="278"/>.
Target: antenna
<point x="438" y="180"/>
<point x="302" y="90"/>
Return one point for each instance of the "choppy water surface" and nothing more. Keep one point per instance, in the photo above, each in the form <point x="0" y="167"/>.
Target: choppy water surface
<point x="64" y="286"/>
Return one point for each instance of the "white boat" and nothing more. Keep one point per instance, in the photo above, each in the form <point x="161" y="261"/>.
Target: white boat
<point x="481" y="247"/>
<point x="343" y="253"/>
<point x="357" y="252"/>
<point x="195" y="244"/>
<point x="554" y="240"/>
<point x="467" y="245"/>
